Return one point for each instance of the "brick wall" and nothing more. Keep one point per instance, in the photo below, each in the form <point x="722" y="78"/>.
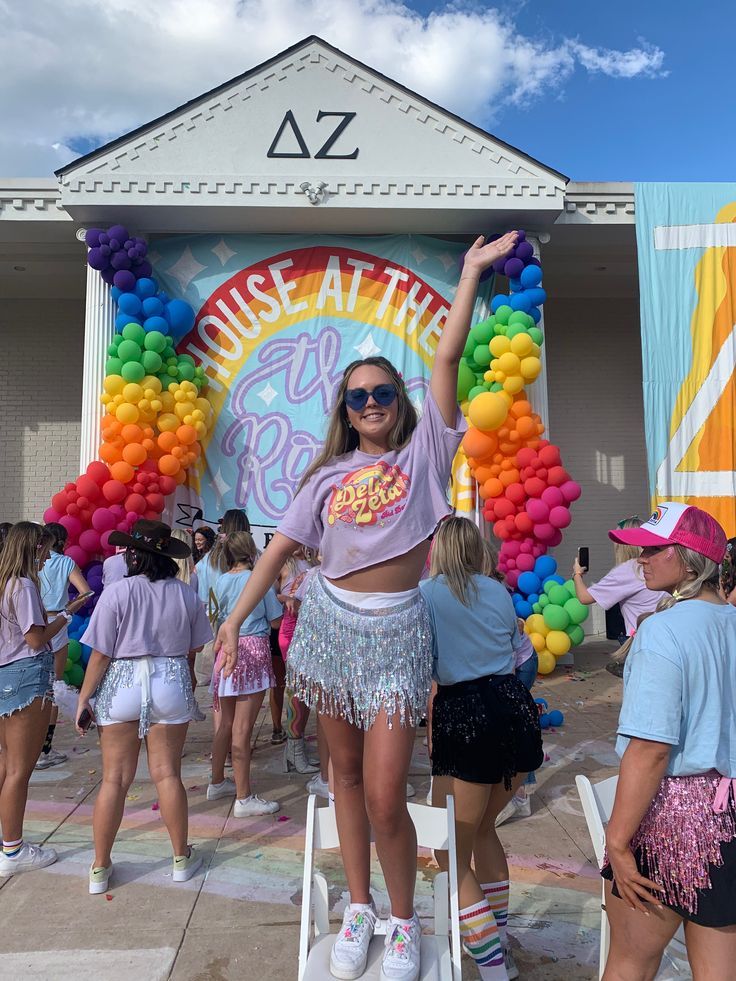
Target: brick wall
<point x="597" y="418"/>
<point x="40" y="402"/>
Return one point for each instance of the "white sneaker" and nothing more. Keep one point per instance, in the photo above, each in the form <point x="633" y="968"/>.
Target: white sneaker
<point x="318" y="786"/>
<point x="185" y="866"/>
<point x="99" y="879"/>
<point x="52" y="758"/>
<point x="217" y="790"/>
<point x="429" y="793"/>
<point x="350" y="950"/>
<point x="511" y="969"/>
<point x="410" y="792"/>
<point x="517" y="807"/>
<point x="30" y="857"/>
<point x="253" y="806"/>
<point x="401" y="958"/>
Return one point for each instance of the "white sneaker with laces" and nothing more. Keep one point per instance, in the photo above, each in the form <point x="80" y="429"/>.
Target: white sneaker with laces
<point x="350" y="950"/>
<point x="401" y="958"/>
<point x="318" y="786"/>
<point x="52" y="758"/>
<point x="517" y="807"/>
<point x="410" y="792"/>
<point x="29" y="858"/>
<point x="511" y="969"/>
<point x="217" y="790"/>
<point x="253" y="806"/>
<point x="186" y="866"/>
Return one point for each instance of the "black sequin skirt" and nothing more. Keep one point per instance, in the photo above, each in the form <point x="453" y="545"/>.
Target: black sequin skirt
<point x="485" y="730"/>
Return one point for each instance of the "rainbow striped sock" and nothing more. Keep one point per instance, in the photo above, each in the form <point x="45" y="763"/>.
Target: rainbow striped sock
<point x="12" y="848"/>
<point x="497" y="894"/>
<point x="480" y="937"/>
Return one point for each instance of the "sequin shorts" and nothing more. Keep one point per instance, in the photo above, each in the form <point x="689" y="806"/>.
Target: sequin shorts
<point x="148" y="689"/>
<point x="350" y="663"/>
<point x="24" y="680"/>
<point x="689" y="848"/>
<point x="253" y="671"/>
<point x="485" y="730"/>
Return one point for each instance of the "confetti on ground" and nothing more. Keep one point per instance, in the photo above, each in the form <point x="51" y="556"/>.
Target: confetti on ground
<point x="154" y="806"/>
<point x="91" y="772"/>
<point x="195" y="787"/>
<point x="283" y="818"/>
<point x="132" y="797"/>
<point x="108" y="897"/>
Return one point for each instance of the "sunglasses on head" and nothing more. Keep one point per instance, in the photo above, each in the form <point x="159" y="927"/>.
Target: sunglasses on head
<point x="357" y="398"/>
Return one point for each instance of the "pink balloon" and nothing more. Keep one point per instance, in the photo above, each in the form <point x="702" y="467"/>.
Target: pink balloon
<point x="512" y="549"/>
<point x="559" y="517"/>
<point x="90" y="541"/>
<point x="539" y="550"/>
<point x="552" y="497"/>
<point x="131" y="517"/>
<point x="103" y="520"/>
<point x="537" y="510"/>
<point x="571" y="490"/>
<point x="556" y="539"/>
<point x="526" y="547"/>
<point x="73" y="526"/>
<point x="512" y="577"/>
<point x="78" y="555"/>
<point x="511" y="564"/>
<point x="51" y="514"/>
<point x="118" y="510"/>
<point x="525" y="562"/>
<point x="544" y="532"/>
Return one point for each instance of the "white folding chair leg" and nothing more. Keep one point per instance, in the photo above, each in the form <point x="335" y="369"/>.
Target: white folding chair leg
<point x="605" y="935"/>
<point x="307" y="889"/>
<point x="456" y="951"/>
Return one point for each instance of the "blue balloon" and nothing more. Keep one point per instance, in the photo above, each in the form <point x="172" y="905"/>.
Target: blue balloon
<point x="146" y="287"/>
<point x="129" y="303"/>
<point x="123" y="319"/>
<point x="558" y="579"/>
<point x="533" y="598"/>
<point x="153" y="307"/>
<point x="531" y="276"/>
<point x="524" y="610"/>
<point x="536" y="296"/>
<point x="180" y="315"/>
<point x="536" y="314"/>
<point x="556" y="718"/>
<point x="528" y="583"/>
<point x="515" y="285"/>
<point x="115" y="293"/>
<point x="544" y="720"/>
<point x="86" y="654"/>
<point x="517" y="598"/>
<point x="541" y="701"/>
<point x="545" y="566"/>
<point x="155" y="323"/>
<point x="521" y="301"/>
<point x="498" y="300"/>
<point x="163" y="296"/>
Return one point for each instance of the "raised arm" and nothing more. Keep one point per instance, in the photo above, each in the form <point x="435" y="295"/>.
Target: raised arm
<point x="443" y="383"/>
<point x="265" y="573"/>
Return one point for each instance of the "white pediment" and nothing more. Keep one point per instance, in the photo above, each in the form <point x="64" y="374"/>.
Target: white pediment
<point x="311" y="115"/>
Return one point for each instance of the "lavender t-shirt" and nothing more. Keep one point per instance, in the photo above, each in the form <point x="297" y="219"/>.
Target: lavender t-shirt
<point x="136" y="617"/>
<point x="361" y="509"/>
<point x="114" y="569"/>
<point x="624" y="584"/>
<point x="17" y="618"/>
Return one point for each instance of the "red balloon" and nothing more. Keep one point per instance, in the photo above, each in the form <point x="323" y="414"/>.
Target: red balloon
<point x="90" y="541"/>
<point x="534" y="487"/>
<point x="88" y="487"/>
<point x="59" y="502"/>
<point x="98" y="472"/>
<point x="516" y="493"/>
<point x="82" y="502"/>
<point x="525" y="457"/>
<point x="114" y="491"/>
<point x="524" y="524"/>
<point x="550" y="455"/>
<point x="151" y="515"/>
<point x="49" y="515"/>
<point x="557" y="477"/>
<point x="155" y="503"/>
<point x="73" y="509"/>
<point x="503" y="507"/>
<point x="103" y="520"/>
<point x="167" y="485"/>
<point x="136" y="503"/>
<point x="501" y="531"/>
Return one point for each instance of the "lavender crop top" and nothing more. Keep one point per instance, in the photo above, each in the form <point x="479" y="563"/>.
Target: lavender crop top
<point x="360" y="509"/>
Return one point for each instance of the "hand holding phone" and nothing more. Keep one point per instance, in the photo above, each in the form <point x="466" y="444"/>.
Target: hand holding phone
<point x="79" y="601"/>
<point x="584" y="558"/>
<point x="85" y="720"/>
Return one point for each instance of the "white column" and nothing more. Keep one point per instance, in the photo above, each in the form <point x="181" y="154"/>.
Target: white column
<point x="99" y="328"/>
<point x="538" y="391"/>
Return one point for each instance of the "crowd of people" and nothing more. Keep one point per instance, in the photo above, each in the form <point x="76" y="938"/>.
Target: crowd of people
<point x="375" y="608"/>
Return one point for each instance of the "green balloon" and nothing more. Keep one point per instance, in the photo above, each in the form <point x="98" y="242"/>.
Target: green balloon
<point x="577" y="611"/>
<point x="503" y="314"/>
<point x="519" y="317"/>
<point x="186" y="358"/>
<point x="483" y="332"/>
<point x="75" y="650"/>
<point x="68" y="666"/>
<point x="172" y="371"/>
<point x="168" y="352"/>
<point x="558" y="595"/>
<point x="129" y="351"/>
<point x="576" y="634"/>
<point x="173" y="360"/>
<point x="482" y="355"/>
<point x="469" y="346"/>
<point x="537" y="607"/>
<point x="496" y="387"/>
<point x="186" y="371"/>
<point x="543" y="601"/>
<point x="513" y="329"/>
<point x="536" y="335"/>
<point x="135" y="333"/>
<point x="550" y="584"/>
<point x="155" y="341"/>
<point x="465" y="381"/>
<point x="151" y="362"/>
<point x="133" y="371"/>
<point x="113" y="366"/>
<point x="76" y="675"/>
<point x="113" y="349"/>
<point x="556" y="617"/>
<point x="476" y="390"/>
<point x="199" y="372"/>
<point x="570" y="587"/>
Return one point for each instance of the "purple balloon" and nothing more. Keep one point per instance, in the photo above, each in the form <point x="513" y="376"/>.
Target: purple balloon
<point x="96" y="260"/>
<point x="105" y="250"/>
<point x="498" y="266"/>
<point x="144" y="270"/>
<point x="513" y="268"/>
<point x="120" y="232"/>
<point x="119" y="260"/>
<point x="108" y="276"/>
<point x="92" y="237"/>
<point x="114" y="245"/>
<point x="522" y="235"/>
<point x="524" y="251"/>
<point x="128" y="244"/>
<point x="123" y="279"/>
<point x="104" y="238"/>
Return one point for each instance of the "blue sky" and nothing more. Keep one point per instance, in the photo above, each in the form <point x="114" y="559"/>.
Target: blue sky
<point x="601" y="91"/>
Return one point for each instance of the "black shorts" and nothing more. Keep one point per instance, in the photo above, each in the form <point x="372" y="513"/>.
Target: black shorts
<point x="716" y="906"/>
<point x="485" y="731"/>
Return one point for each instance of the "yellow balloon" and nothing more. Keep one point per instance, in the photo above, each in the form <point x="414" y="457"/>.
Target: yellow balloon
<point x="521" y="345"/>
<point x="183" y="409"/>
<point x="535" y="351"/>
<point x="132" y="392"/>
<point x="499" y="345"/>
<point x="114" y="384"/>
<point x="535" y="625"/>
<point x="167" y="401"/>
<point x="530" y="368"/>
<point x="203" y="405"/>
<point x="105" y="399"/>
<point x="538" y="642"/>
<point x="508" y="399"/>
<point x="547" y="662"/>
<point x="200" y="428"/>
<point x="558" y="642"/>
<point x="509" y="364"/>
<point x="168" y="422"/>
<point x="127" y="413"/>
<point x="488" y="410"/>
<point x="151" y="381"/>
<point x="513" y="384"/>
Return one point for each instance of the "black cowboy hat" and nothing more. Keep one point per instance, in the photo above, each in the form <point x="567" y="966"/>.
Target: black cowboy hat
<point x="151" y="536"/>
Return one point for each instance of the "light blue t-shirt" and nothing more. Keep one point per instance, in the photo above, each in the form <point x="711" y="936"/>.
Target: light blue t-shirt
<point x="471" y="641"/>
<point x="228" y="588"/>
<point x="54" y="578"/>
<point x="679" y="686"/>
<point x="206" y="578"/>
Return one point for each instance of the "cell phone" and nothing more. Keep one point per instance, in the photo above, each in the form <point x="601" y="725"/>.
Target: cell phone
<point x="85" y="720"/>
<point x="82" y="596"/>
<point x="584" y="558"/>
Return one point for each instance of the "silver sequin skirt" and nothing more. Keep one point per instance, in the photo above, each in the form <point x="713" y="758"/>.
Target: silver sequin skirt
<point x="350" y="663"/>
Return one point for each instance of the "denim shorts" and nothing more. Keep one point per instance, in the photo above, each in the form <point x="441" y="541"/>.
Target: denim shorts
<point x="25" y="680"/>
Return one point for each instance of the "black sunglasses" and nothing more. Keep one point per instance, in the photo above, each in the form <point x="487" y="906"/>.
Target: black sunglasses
<point x="357" y="398"/>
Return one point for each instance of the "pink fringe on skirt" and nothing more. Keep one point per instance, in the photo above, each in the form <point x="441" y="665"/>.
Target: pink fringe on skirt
<point x="253" y="671"/>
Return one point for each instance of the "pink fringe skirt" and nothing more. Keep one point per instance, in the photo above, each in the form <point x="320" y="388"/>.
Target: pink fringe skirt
<point x="253" y="671"/>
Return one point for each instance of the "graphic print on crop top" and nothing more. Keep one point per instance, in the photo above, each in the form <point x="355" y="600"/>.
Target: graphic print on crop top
<point x="369" y="495"/>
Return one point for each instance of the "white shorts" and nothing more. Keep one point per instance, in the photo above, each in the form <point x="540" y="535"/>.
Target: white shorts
<point x="147" y="690"/>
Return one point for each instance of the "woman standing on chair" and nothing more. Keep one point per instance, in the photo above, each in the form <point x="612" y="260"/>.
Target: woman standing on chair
<point x="361" y="650"/>
<point x="485" y="731"/>
<point x="671" y="838"/>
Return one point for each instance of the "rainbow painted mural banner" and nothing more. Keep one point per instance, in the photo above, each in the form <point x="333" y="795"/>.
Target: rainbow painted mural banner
<point x="686" y="238"/>
<point x="277" y="321"/>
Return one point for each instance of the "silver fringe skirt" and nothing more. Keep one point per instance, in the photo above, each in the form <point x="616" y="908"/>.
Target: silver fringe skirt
<point x="351" y="663"/>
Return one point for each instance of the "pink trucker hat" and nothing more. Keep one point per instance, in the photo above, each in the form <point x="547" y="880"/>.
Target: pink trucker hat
<point x="677" y="524"/>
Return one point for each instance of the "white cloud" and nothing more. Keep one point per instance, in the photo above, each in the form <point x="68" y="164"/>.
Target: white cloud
<point x="93" y="69"/>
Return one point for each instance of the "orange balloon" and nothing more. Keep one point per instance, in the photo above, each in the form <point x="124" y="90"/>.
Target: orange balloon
<point x="111" y="425"/>
<point x="169" y="465"/>
<point x="482" y="473"/>
<point x="196" y="449"/>
<point x="493" y="487"/>
<point x="110" y="453"/>
<point x="186" y="434"/>
<point x="180" y="476"/>
<point x="132" y="433"/>
<point x="167" y="441"/>
<point x="521" y="408"/>
<point x="478" y="444"/>
<point x="134" y="454"/>
<point x="178" y="452"/>
<point x="526" y="427"/>
<point x="148" y="444"/>
<point x="509" y="477"/>
<point x="122" y="471"/>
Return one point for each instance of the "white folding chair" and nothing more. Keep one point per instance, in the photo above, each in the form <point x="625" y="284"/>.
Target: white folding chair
<point x="440" y="951"/>
<point x="597" y="800"/>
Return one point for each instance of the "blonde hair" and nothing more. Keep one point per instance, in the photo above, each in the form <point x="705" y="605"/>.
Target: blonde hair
<point x="291" y="567"/>
<point x="183" y="565"/>
<point x="240" y="549"/>
<point x="458" y="554"/>
<point x="342" y="438"/>
<point x="19" y="557"/>
<point x="234" y="520"/>
<point x="490" y="561"/>
<point x="625" y="553"/>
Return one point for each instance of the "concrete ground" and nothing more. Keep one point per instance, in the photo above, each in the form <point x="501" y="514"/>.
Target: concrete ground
<point x="239" y="919"/>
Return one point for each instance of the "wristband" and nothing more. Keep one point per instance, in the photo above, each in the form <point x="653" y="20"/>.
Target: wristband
<point x="67" y="615"/>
